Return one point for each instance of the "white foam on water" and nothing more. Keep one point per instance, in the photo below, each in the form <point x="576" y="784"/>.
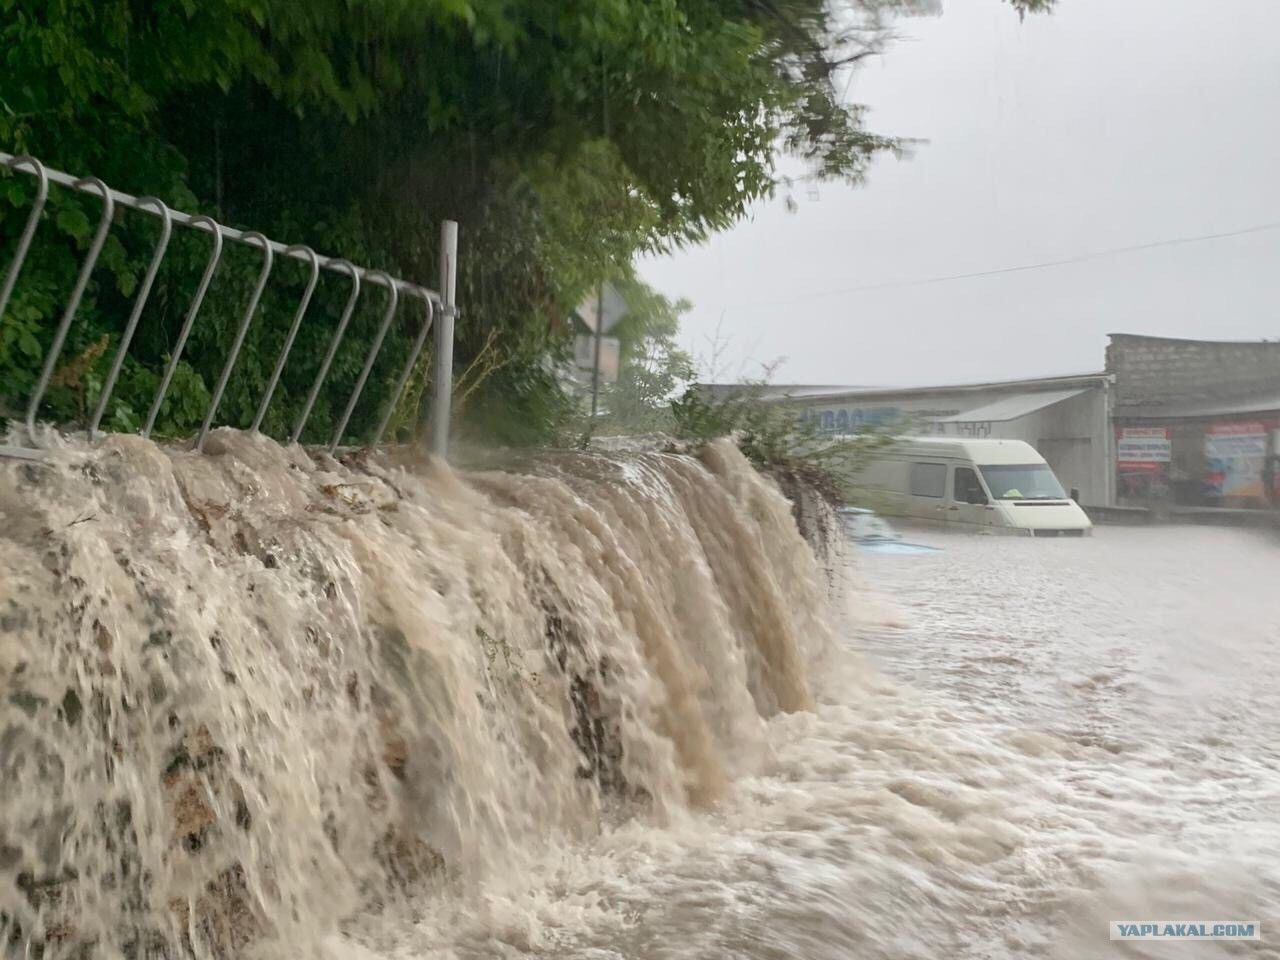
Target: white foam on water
<point x="253" y="699"/>
<point x="596" y="709"/>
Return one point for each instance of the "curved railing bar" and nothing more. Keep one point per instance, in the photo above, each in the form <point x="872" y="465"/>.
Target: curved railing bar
<point x="206" y="278"/>
<point x="392" y="303"/>
<point x="333" y="349"/>
<point x="408" y="369"/>
<point x="28" y="231"/>
<point x="303" y="304"/>
<point x="77" y="294"/>
<point x="183" y="219"/>
<point x="144" y="291"/>
<point x="439" y="311"/>
<point x="268" y="258"/>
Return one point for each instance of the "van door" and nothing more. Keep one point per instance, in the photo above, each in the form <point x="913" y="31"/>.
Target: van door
<point x="928" y="489"/>
<point x="969" y="503"/>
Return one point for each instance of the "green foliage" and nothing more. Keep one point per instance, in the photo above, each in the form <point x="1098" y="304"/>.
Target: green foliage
<point x="565" y="137"/>
<point x="653" y="370"/>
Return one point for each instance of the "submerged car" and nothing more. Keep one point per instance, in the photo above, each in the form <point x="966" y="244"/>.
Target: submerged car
<point x="873" y="533"/>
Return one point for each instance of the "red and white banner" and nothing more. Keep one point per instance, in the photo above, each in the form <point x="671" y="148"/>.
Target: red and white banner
<point x="1143" y="449"/>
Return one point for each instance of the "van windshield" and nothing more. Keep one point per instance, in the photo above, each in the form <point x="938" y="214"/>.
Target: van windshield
<point x="1034" y="481"/>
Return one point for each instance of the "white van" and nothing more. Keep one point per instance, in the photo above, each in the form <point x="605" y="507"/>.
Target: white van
<point x="989" y="486"/>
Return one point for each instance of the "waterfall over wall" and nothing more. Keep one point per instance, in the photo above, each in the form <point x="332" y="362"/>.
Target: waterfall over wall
<point x="247" y="695"/>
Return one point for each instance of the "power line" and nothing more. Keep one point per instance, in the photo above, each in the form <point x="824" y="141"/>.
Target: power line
<point x="1022" y="268"/>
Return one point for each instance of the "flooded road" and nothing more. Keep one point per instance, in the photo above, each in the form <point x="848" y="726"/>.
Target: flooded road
<point x="623" y="729"/>
<point x="1137" y="635"/>
<point x="1030" y="739"/>
<point x="1137" y="672"/>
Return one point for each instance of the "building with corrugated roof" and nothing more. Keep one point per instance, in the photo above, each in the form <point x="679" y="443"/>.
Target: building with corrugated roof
<point x="1175" y="422"/>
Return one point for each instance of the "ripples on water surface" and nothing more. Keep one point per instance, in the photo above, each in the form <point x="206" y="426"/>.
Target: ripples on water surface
<point x="1030" y="739"/>
<point x="252" y="699"/>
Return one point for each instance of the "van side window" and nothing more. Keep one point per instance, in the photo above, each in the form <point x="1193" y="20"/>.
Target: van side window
<point x="928" y="479"/>
<point x="966" y="487"/>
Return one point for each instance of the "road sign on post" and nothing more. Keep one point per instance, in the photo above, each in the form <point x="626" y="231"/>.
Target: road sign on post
<point x="604" y="300"/>
<point x="600" y="313"/>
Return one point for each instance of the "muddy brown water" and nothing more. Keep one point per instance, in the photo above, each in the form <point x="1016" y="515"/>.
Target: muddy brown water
<point x="1024" y="741"/>
<point x="607" y="709"/>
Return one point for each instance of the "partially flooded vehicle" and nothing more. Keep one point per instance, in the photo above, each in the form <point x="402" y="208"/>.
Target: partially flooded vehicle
<point x="873" y="533"/>
<point x="987" y="486"/>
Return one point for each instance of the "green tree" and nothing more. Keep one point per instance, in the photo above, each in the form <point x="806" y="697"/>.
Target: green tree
<point x="565" y="137"/>
<point x="653" y="369"/>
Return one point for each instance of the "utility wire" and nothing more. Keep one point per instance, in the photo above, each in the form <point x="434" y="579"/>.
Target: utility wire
<point x="1022" y="268"/>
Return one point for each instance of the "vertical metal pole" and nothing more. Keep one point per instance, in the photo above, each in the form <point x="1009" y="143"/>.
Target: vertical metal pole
<point x="595" y="365"/>
<point x="443" y="376"/>
<point x="1110" y="495"/>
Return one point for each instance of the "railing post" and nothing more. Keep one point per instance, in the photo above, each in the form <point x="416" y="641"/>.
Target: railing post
<point x="442" y="378"/>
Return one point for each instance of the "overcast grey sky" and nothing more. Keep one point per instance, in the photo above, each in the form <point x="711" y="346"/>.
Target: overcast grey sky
<point x="1109" y="123"/>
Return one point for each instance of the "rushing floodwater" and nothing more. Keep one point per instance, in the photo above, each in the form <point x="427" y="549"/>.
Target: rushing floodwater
<point x="1118" y="700"/>
<point x="263" y="705"/>
<point x="1030" y="739"/>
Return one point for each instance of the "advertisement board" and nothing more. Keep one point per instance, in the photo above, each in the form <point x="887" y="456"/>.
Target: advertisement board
<point x="1143" y="449"/>
<point x="1235" y="455"/>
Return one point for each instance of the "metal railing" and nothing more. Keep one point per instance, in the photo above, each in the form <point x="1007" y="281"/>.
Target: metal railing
<point x="439" y="312"/>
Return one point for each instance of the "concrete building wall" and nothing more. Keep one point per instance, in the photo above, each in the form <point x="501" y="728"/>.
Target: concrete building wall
<point x="1206" y="399"/>
<point x="1154" y="370"/>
